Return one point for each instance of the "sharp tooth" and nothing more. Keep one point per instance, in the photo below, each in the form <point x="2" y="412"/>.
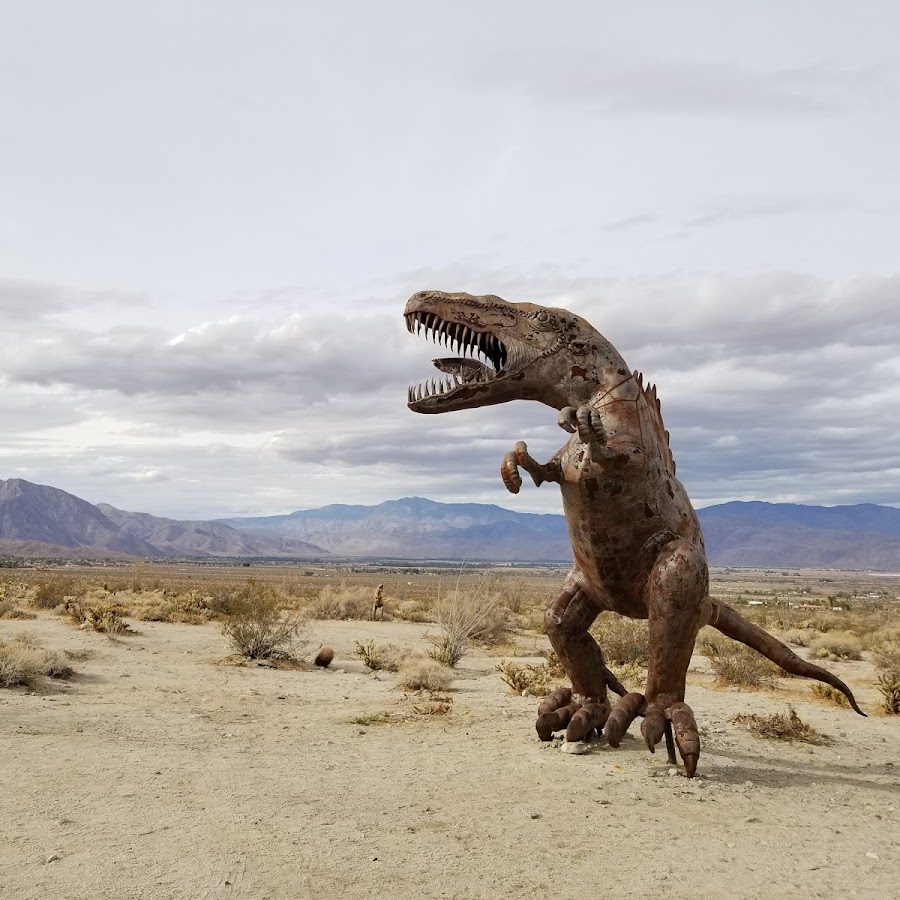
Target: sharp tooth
<point x="409" y="395"/>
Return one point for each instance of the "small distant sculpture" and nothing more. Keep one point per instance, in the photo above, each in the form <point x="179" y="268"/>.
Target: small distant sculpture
<point x="636" y="541"/>
<point x="378" y="603"/>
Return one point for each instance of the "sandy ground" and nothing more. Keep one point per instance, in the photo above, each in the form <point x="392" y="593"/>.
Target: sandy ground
<point x="157" y="773"/>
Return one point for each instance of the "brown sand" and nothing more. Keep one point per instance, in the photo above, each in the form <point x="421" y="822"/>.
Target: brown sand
<point x="157" y="773"/>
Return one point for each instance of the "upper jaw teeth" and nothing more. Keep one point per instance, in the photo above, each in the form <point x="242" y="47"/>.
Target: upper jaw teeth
<point x="487" y="352"/>
<point x="459" y="338"/>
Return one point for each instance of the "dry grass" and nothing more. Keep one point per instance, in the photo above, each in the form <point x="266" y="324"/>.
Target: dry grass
<point x="828" y="694"/>
<point x="736" y="664"/>
<point x="465" y="618"/>
<point x="836" y="645"/>
<point x="23" y="660"/>
<point x="257" y="628"/>
<point x="342" y="601"/>
<point x="780" y="727"/>
<point x="423" y="675"/>
<point x="622" y="640"/>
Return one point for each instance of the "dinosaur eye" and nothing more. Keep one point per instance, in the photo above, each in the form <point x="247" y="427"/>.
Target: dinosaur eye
<point x="578" y="347"/>
<point x="542" y="316"/>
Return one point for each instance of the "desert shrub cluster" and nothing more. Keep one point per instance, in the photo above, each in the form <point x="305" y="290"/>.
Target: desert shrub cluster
<point x="381" y="657"/>
<point x="23" y="659"/>
<point x="735" y="664"/>
<point x="54" y="591"/>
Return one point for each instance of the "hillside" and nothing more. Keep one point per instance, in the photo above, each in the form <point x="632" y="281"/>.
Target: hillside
<point x="36" y="518"/>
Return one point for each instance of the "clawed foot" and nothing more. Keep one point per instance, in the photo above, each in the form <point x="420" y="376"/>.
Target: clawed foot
<point x="657" y="719"/>
<point x="579" y="716"/>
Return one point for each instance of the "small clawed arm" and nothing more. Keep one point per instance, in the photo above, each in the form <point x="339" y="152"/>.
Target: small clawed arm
<point x="509" y="469"/>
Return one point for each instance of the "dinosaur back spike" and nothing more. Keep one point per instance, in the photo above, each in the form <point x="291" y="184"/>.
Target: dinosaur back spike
<point x="654" y="408"/>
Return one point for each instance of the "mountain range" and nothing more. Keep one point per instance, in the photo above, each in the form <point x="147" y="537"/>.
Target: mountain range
<point x="38" y="520"/>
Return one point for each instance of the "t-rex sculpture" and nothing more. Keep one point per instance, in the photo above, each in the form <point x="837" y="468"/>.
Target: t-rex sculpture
<point x="637" y="546"/>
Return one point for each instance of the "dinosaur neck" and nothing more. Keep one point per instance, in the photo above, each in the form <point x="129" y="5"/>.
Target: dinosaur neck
<point x="584" y="378"/>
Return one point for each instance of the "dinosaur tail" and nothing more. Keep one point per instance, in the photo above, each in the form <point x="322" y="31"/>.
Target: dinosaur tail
<point x="726" y="620"/>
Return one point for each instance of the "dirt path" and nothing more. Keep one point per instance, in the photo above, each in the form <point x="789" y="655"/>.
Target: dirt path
<point x="158" y="774"/>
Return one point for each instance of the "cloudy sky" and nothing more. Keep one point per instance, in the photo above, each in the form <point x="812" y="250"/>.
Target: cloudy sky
<point x="211" y="214"/>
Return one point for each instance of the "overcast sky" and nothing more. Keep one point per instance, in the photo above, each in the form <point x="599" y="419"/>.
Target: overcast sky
<point x="212" y="213"/>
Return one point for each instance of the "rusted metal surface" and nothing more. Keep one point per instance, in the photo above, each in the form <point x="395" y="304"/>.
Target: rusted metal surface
<point x="636" y="541"/>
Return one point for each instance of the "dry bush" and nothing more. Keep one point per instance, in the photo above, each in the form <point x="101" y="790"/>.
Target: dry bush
<point x="630" y="674"/>
<point x="889" y="687"/>
<point x="378" y="657"/>
<point x="437" y="705"/>
<point x="527" y="680"/>
<point x="423" y="675"/>
<point x="257" y="628"/>
<point x="780" y="727"/>
<point x="23" y="659"/>
<point x="106" y="618"/>
<point x="736" y="664"/>
<point x="342" y="601"/>
<point x="8" y="610"/>
<point x="413" y="611"/>
<point x="799" y="637"/>
<point x="53" y="592"/>
<point x="886" y="656"/>
<point x="465" y="618"/>
<point x="622" y="640"/>
<point x="828" y="694"/>
<point x="557" y="670"/>
<point x="837" y="645"/>
<point x="511" y="592"/>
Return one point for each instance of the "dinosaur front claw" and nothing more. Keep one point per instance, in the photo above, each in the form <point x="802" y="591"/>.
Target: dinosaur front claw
<point x="520" y="457"/>
<point x="586" y="421"/>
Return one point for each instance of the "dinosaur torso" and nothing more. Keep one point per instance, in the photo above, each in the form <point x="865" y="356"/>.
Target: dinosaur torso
<point x="624" y="503"/>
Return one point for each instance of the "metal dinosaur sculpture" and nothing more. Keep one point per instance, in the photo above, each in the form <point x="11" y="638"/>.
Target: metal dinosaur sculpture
<point x="636" y="541"/>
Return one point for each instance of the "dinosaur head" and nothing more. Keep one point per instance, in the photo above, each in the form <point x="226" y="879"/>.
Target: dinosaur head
<point x="507" y="351"/>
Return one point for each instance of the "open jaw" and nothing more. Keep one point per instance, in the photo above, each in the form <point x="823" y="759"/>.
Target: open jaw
<point x="482" y="360"/>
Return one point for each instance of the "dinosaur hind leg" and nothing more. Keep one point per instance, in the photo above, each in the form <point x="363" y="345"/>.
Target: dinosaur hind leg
<point x="677" y="604"/>
<point x="566" y="621"/>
